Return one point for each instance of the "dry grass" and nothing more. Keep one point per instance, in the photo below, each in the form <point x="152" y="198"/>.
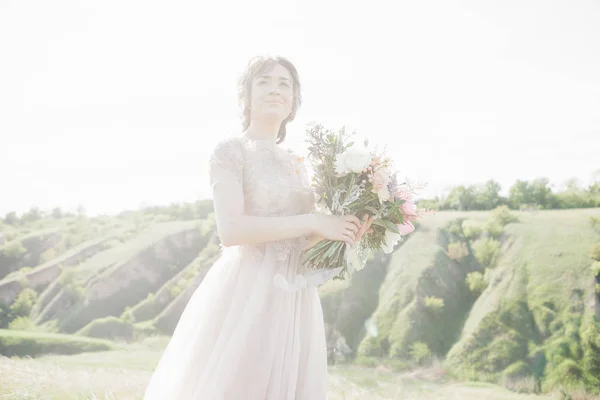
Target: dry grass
<point x="25" y="379"/>
<point x="120" y="376"/>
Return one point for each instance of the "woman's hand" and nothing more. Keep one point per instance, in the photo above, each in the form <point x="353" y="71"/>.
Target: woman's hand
<point x="343" y="228"/>
<point x="367" y="221"/>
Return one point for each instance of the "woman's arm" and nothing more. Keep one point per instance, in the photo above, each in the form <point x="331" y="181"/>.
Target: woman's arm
<point x="235" y="228"/>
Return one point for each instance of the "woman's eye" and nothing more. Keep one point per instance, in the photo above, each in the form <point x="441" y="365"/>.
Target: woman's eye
<point x="285" y="84"/>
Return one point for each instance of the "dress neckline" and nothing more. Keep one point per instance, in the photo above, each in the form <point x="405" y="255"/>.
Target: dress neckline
<point x="264" y="141"/>
<point x="266" y="144"/>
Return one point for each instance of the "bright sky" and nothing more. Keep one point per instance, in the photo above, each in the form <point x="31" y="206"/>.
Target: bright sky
<point x="112" y="104"/>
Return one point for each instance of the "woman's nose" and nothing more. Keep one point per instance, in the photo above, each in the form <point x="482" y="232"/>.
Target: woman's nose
<point x="274" y="88"/>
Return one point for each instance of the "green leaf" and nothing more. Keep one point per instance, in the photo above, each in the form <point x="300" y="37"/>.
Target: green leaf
<point x="384" y="223"/>
<point x="371" y="209"/>
<point x="399" y="216"/>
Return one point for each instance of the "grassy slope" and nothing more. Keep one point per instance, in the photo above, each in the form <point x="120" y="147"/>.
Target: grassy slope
<point x="545" y="267"/>
<point x="123" y="276"/>
<point x="403" y="288"/>
<point x="543" y="282"/>
<point x="110" y="243"/>
<point x="20" y="343"/>
<point x="123" y="374"/>
<point x="544" y="263"/>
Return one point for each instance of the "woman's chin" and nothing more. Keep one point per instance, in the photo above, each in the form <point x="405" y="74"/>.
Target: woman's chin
<point x="272" y="115"/>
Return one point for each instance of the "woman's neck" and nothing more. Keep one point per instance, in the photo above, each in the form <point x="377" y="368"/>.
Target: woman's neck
<point x="263" y="130"/>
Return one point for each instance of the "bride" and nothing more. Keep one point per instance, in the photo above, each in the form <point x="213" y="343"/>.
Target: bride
<point x="253" y="329"/>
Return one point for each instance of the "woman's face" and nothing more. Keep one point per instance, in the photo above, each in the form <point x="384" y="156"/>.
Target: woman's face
<point x="272" y="94"/>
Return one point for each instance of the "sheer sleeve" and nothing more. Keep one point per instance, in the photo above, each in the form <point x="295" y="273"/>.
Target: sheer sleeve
<point x="226" y="165"/>
<point x="226" y="171"/>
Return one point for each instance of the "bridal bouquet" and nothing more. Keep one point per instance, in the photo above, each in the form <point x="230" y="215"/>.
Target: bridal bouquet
<point x="351" y="179"/>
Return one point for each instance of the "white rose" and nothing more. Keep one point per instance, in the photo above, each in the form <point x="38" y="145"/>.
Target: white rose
<point x="391" y="240"/>
<point x="384" y="194"/>
<point x="354" y="159"/>
<point x="381" y="180"/>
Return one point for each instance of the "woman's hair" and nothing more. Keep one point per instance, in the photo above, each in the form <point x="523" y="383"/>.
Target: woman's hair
<point x="256" y="66"/>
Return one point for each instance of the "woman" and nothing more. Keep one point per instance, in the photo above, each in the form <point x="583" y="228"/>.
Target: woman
<point x="243" y="336"/>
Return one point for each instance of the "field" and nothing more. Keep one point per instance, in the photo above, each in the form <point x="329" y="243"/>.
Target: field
<point x="123" y="374"/>
<point x="504" y="299"/>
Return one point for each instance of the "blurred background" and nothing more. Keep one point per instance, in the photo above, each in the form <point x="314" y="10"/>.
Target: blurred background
<point x="109" y="111"/>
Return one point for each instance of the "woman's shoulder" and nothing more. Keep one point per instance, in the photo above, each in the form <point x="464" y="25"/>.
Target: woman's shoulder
<point x="229" y="148"/>
<point x="229" y="142"/>
<point x="244" y="147"/>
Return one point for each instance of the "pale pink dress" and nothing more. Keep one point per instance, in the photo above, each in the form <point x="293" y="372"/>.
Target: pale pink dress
<point x="243" y="336"/>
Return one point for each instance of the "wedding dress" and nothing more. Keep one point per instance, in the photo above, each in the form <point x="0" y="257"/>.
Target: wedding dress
<point x="253" y="329"/>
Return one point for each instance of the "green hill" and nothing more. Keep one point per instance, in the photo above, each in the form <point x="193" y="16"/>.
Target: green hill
<point x="499" y="300"/>
<point x="499" y="296"/>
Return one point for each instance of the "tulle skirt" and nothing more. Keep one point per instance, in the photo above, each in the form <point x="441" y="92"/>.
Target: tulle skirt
<point x="242" y="337"/>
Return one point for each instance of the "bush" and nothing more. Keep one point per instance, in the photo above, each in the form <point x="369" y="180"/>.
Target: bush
<point x="567" y="372"/>
<point x="486" y="251"/>
<point x="176" y="289"/>
<point x="127" y="316"/>
<point x="472" y="229"/>
<point x="33" y="344"/>
<point x="590" y="339"/>
<point x="69" y="281"/>
<point x="457" y="251"/>
<point x="111" y="328"/>
<point x="517" y="377"/>
<point x="516" y="370"/>
<point x="595" y="252"/>
<point x="494" y="229"/>
<point x="476" y="282"/>
<point x="9" y="234"/>
<point x="455" y="227"/>
<point x="14" y="250"/>
<point x="24" y="303"/>
<point x="434" y="304"/>
<point x="48" y="255"/>
<point x="596" y="268"/>
<point x="503" y="215"/>
<point x="22" y="324"/>
<point x="419" y="352"/>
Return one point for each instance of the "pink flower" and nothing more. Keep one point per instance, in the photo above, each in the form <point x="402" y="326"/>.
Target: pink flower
<point x="406" y="228"/>
<point x="409" y="208"/>
<point x="381" y="180"/>
<point x="403" y="194"/>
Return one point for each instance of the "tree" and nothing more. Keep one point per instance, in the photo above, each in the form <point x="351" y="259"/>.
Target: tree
<point x="520" y="193"/>
<point x="542" y="193"/>
<point x="57" y="213"/>
<point x="203" y="208"/>
<point x="187" y="212"/>
<point x="11" y="218"/>
<point x="536" y="192"/>
<point x="488" y="196"/>
<point x="462" y="198"/>
<point x="34" y="214"/>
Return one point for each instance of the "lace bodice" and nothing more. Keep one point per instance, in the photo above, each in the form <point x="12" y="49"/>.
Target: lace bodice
<point x="274" y="182"/>
<point x="274" y="179"/>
